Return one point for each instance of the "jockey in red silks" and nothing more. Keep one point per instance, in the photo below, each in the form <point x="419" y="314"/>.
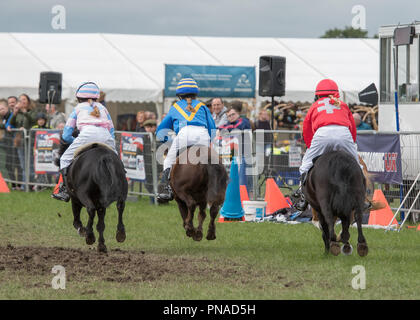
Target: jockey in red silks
<point x="328" y="123"/>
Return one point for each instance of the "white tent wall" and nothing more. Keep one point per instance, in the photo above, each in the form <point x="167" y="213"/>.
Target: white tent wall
<point x="131" y="67"/>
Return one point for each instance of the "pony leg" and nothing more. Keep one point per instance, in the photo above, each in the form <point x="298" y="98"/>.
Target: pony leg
<point x="362" y="247"/>
<point x="325" y="232"/>
<point x="344" y="236"/>
<point x="77" y="224"/>
<point x="211" y="233"/>
<point x="328" y="227"/>
<point x="183" y="210"/>
<point x="90" y="236"/>
<point x="189" y="226"/>
<point x="100" y="227"/>
<point x="120" y="236"/>
<point x="201" y="216"/>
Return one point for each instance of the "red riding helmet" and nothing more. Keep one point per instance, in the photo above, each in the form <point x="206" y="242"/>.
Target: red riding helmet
<point x="326" y="87"/>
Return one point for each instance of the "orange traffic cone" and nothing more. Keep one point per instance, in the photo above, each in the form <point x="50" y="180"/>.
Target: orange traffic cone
<point x="244" y="194"/>
<point x="57" y="186"/>
<point x="381" y="217"/>
<point x="418" y="228"/>
<point x="3" y="185"/>
<point x="274" y="197"/>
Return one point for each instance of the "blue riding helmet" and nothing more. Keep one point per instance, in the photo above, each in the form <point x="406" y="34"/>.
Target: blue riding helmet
<point x="186" y="86"/>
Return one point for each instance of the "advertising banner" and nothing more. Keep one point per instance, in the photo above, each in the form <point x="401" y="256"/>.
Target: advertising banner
<point x="213" y="81"/>
<point x="382" y="155"/>
<point x="46" y="147"/>
<point x="131" y="154"/>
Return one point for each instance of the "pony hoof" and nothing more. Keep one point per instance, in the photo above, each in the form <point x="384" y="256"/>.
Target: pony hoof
<point x="198" y="235"/>
<point x="81" y="231"/>
<point x="362" y="249"/>
<point x="347" y="249"/>
<point x="90" y="239"/>
<point x="335" y="248"/>
<point x="102" y="248"/>
<point x="190" y="233"/>
<point x="120" y="236"/>
<point x="211" y="236"/>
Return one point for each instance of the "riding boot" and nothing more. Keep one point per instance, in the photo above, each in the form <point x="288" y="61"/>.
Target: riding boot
<point x="166" y="193"/>
<point x="300" y="202"/>
<point x="62" y="193"/>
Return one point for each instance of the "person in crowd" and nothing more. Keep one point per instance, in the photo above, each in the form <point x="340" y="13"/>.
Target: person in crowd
<point x="93" y="121"/>
<point x="41" y="121"/>
<point x="329" y="122"/>
<point x="235" y="121"/>
<point x="11" y="102"/>
<point x="193" y="124"/>
<point x="263" y="123"/>
<point x="6" y="115"/>
<point x="150" y="126"/>
<point x="140" y="118"/>
<point x="360" y="124"/>
<point x="12" y="159"/>
<point x="219" y="112"/>
<point x="152" y="116"/>
<point x="56" y="119"/>
<point x="20" y="121"/>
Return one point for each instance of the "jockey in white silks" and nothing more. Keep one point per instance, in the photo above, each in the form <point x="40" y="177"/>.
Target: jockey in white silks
<point x="93" y="121"/>
<point x="193" y="124"/>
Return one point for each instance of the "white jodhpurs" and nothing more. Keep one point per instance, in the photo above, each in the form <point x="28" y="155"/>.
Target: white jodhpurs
<point x="335" y="137"/>
<point x="88" y="134"/>
<point x="187" y="136"/>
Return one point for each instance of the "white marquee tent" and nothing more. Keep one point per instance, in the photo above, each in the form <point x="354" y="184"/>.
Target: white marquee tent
<point x="131" y="67"/>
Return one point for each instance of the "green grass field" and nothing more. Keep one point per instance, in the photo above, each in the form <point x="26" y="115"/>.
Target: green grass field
<point x="246" y="261"/>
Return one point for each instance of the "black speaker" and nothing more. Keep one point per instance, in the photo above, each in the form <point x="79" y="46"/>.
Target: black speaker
<point x="50" y="87"/>
<point x="272" y="80"/>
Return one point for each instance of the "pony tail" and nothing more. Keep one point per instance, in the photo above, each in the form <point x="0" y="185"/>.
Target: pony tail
<point x="189" y="106"/>
<point x="95" y="111"/>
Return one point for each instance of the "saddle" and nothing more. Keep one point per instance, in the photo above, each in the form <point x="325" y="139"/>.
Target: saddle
<point x="89" y="146"/>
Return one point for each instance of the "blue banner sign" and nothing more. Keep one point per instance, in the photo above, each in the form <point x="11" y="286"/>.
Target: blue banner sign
<point x="213" y="81"/>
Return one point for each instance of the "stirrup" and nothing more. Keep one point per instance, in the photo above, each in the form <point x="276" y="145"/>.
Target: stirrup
<point x="167" y="194"/>
<point x="62" y="194"/>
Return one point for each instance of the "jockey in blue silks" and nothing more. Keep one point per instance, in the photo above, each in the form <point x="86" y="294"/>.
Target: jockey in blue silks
<point x="193" y="124"/>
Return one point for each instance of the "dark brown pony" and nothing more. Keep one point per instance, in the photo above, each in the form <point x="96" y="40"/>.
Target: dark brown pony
<point x="198" y="178"/>
<point x="336" y="188"/>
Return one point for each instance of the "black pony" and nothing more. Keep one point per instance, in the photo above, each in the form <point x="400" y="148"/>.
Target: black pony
<point x="336" y="188"/>
<point x="95" y="179"/>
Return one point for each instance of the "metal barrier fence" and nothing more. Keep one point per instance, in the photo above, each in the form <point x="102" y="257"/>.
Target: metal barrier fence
<point x="22" y="165"/>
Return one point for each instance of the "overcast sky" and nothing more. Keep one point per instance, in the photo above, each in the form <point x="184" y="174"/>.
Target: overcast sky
<point x="237" y="18"/>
